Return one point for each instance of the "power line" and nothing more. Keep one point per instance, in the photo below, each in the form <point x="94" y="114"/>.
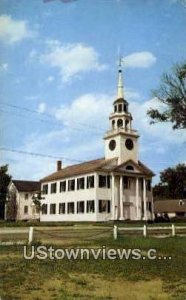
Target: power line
<point x="51" y="156"/>
<point x="51" y="122"/>
<point x="39" y="154"/>
<point x="48" y="115"/>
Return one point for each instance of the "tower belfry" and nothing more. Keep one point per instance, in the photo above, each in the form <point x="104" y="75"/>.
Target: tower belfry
<point x="121" y="139"/>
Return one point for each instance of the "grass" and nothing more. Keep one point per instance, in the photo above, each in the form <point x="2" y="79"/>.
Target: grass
<point x="100" y="279"/>
<point x="177" y="222"/>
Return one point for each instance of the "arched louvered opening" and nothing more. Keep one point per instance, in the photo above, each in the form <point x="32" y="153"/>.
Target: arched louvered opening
<point x="130" y="168"/>
<point x="113" y="124"/>
<point x="120" y="123"/>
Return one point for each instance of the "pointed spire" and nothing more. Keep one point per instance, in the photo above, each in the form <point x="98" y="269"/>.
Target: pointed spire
<point x="120" y="92"/>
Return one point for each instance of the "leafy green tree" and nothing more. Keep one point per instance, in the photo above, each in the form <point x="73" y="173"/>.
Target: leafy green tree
<point x="172" y="93"/>
<point x="4" y="182"/>
<point x="172" y="183"/>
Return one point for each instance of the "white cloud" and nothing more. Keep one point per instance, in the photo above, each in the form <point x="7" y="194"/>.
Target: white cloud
<point x="32" y="55"/>
<point x="4" y="67"/>
<point x="12" y="31"/>
<point x="41" y="108"/>
<point x="89" y="109"/>
<point x="82" y="125"/>
<point x="50" y="79"/>
<point x="139" y="60"/>
<point x="71" y="59"/>
<point x="161" y="132"/>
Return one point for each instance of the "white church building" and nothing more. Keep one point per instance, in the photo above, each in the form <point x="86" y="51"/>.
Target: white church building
<point x="116" y="187"/>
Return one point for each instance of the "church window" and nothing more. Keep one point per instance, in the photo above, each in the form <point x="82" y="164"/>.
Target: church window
<point x="62" y="186"/>
<point x="61" y="208"/>
<point x="130" y="168"/>
<point x="53" y="188"/>
<point x="125" y="108"/>
<point x="104" y="181"/>
<point x="44" y="209"/>
<point x="52" y="209"/>
<point x="120" y="123"/>
<point x="45" y="189"/>
<point x="81" y="183"/>
<point x="70" y="208"/>
<point x="120" y="106"/>
<point x="126" y="182"/>
<point x="104" y="206"/>
<point x="148" y="185"/>
<point x="113" y="123"/>
<point x="90" y="206"/>
<point x="129" y="144"/>
<point x="90" y="182"/>
<point x="115" y="108"/>
<point x="71" y="185"/>
<point x="108" y="181"/>
<point x="80" y="207"/>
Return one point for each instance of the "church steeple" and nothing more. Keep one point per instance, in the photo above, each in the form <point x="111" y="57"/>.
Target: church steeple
<point x="121" y="139"/>
<point x="120" y="91"/>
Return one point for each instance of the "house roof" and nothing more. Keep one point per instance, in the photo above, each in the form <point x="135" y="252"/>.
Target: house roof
<point x="92" y="166"/>
<point x="169" y="206"/>
<point x="27" y="186"/>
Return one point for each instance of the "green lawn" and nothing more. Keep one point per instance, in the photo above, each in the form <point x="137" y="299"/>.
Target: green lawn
<point x="178" y="222"/>
<point x="22" y="279"/>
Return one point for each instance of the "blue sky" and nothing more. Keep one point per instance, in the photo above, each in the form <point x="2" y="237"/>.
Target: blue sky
<point x="59" y="62"/>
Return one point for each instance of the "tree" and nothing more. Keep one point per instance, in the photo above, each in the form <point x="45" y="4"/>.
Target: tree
<point x="11" y="207"/>
<point x="172" y="183"/>
<point x="37" y="200"/>
<point x="4" y="182"/>
<point x="172" y="93"/>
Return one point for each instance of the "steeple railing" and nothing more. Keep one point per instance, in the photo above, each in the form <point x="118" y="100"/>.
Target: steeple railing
<point x="122" y="130"/>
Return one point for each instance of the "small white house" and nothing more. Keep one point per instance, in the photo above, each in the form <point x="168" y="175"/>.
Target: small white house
<point x="20" y="205"/>
<point x="116" y="187"/>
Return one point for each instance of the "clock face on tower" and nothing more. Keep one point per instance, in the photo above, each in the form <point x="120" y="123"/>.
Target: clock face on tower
<point x="112" y="145"/>
<point x="129" y="144"/>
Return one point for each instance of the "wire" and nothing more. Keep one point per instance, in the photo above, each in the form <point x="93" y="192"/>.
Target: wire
<point x="51" y="123"/>
<point x="48" y="115"/>
<point x="39" y="154"/>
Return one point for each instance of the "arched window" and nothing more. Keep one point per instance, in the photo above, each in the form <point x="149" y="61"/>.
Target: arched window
<point x="120" y="123"/>
<point x="125" y="108"/>
<point x="120" y="108"/>
<point x="130" y="168"/>
<point x="115" y="108"/>
<point x="113" y="123"/>
<point x="126" y="124"/>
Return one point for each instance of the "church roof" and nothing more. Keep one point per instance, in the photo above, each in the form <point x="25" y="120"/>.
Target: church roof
<point x="120" y="100"/>
<point x="26" y="186"/>
<point x="142" y="169"/>
<point x="83" y="168"/>
<point x="107" y="165"/>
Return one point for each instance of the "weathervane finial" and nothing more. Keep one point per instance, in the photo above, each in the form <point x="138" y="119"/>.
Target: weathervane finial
<point x="121" y="62"/>
<point x="120" y="93"/>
